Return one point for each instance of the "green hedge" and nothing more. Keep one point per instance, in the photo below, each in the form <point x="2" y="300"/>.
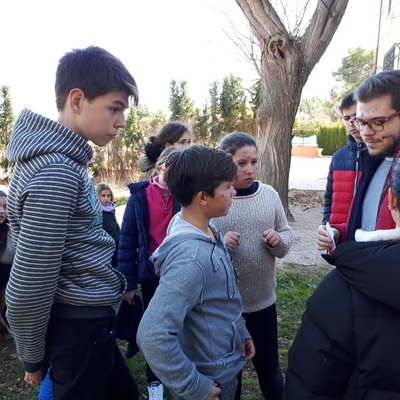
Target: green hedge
<point x="331" y="138"/>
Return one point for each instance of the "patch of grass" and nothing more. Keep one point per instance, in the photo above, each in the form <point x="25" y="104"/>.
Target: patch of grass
<point x="120" y="201"/>
<point x="295" y="285"/>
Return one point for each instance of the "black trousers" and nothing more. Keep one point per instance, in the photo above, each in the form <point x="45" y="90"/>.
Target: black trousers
<point x="86" y="362"/>
<point x="148" y="289"/>
<point x="263" y="328"/>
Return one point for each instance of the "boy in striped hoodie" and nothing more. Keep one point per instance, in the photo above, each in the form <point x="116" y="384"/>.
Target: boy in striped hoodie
<point x="62" y="286"/>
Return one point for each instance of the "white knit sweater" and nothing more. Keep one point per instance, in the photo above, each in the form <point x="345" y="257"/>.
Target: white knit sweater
<point x="255" y="262"/>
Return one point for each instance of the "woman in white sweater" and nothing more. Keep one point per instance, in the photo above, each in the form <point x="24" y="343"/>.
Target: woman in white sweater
<point x="256" y="231"/>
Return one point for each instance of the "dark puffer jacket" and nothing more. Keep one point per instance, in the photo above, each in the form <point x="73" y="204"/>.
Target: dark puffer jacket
<point x="133" y="251"/>
<point x="344" y="174"/>
<point x="110" y="225"/>
<point x="348" y="346"/>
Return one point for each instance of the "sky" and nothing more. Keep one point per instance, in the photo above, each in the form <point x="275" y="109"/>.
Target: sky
<point x="158" y="41"/>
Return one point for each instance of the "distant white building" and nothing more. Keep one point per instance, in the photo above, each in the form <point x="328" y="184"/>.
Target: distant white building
<point x="388" y="43"/>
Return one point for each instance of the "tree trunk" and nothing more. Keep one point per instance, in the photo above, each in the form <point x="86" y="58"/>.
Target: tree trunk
<point x="286" y="63"/>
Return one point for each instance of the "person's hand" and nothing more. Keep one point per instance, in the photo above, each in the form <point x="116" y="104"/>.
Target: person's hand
<point x="128" y="296"/>
<point x="271" y="238"/>
<point x="324" y="241"/>
<point x="249" y="351"/>
<point x="232" y="239"/>
<point x="215" y="392"/>
<point x="32" y="378"/>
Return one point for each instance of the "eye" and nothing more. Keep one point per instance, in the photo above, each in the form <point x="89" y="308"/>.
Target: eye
<point x="241" y="164"/>
<point x="378" y="122"/>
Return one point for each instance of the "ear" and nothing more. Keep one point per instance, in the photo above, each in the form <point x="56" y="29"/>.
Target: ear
<point x="392" y="200"/>
<point x="168" y="144"/>
<point x="75" y="98"/>
<point x="201" y="198"/>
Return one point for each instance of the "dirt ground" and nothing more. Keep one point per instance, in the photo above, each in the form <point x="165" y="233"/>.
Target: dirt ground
<point x="306" y="208"/>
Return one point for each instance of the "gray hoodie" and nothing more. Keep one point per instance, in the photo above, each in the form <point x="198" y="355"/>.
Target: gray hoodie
<point x="192" y="330"/>
<point x="62" y="253"/>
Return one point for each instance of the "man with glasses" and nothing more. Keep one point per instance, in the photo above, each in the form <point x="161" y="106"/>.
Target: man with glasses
<point x="377" y="118"/>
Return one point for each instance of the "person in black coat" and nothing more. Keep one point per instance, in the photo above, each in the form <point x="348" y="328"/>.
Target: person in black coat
<point x="110" y="224"/>
<point x="347" y="346"/>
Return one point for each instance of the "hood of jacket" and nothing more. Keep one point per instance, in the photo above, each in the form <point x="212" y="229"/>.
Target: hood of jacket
<point x="34" y="135"/>
<point x="372" y="267"/>
<point x="177" y="229"/>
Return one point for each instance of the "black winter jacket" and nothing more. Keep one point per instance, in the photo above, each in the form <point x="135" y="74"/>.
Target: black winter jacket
<point x="110" y="225"/>
<point x="348" y="346"/>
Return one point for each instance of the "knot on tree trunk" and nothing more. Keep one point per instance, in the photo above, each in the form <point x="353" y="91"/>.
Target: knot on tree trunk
<point x="276" y="47"/>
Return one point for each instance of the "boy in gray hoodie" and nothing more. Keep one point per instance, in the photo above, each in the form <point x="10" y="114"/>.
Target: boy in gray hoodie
<point x="192" y="333"/>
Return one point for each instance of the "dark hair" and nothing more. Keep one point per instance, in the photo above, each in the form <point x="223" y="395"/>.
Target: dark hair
<point x="95" y="71"/>
<point x="169" y="133"/>
<point x="103" y="186"/>
<point x="4" y="228"/>
<point x="347" y="101"/>
<point x="195" y="169"/>
<point x="234" y="141"/>
<point x="379" y="85"/>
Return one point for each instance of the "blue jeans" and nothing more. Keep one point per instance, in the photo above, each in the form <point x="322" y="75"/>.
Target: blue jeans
<point x="86" y="362"/>
<point x="46" y="389"/>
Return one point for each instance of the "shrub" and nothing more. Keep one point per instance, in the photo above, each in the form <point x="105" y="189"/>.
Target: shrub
<point x="120" y="201"/>
<point x="331" y="137"/>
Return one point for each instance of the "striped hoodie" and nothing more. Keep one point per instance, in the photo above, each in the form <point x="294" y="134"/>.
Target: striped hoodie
<point x="62" y="253"/>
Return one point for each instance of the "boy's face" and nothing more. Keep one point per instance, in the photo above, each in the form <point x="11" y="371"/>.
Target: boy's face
<point x="100" y="119"/>
<point x="219" y="205"/>
<point x="348" y="114"/>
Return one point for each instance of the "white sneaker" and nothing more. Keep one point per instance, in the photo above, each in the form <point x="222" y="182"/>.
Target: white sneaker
<point x="156" y="391"/>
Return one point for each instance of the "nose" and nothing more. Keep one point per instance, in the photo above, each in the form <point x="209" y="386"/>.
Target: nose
<point x="121" y="122"/>
<point x="233" y="192"/>
<point x="249" y="169"/>
<point x="367" y="131"/>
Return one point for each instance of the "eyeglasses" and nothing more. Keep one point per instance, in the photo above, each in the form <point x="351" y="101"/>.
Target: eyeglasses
<point x="376" y="125"/>
<point x="185" y="142"/>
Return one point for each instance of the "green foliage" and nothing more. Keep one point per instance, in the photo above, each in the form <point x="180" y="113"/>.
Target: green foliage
<point x="6" y="123"/>
<point x="122" y="200"/>
<point x="215" y="129"/>
<point x="304" y="127"/>
<point x="202" y="126"/>
<point x="256" y="95"/>
<point x="180" y="104"/>
<point x="232" y="105"/>
<point x="356" y="67"/>
<point x="331" y="137"/>
<point x="322" y="110"/>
